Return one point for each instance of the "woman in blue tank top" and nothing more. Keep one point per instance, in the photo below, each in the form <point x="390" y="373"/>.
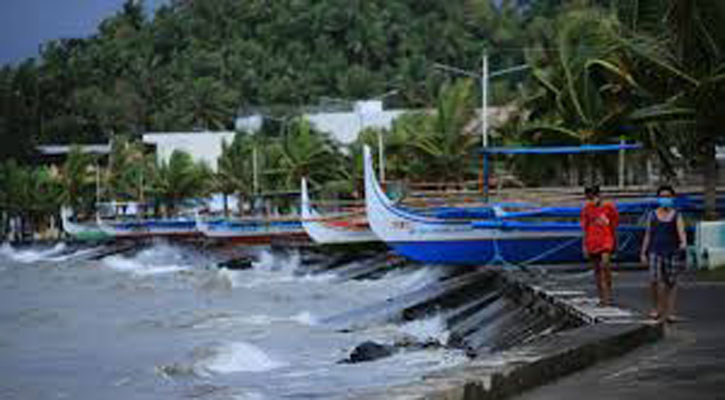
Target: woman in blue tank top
<point x="662" y="249"/>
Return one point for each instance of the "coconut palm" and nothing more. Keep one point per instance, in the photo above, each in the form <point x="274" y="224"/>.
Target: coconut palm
<point x="443" y="139"/>
<point x="32" y="193"/>
<point x="305" y="152"/>
<point x="130" y="170"/>
<point x="77" y="178"/>
<point x="180" y="179"/>
<point x="235" y="168"/>
<point x="680" y="50"/>
<point x="584" y="88"/>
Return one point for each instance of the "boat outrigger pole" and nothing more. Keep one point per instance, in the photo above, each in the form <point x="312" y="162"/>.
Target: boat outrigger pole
<point x="588" y="148"/>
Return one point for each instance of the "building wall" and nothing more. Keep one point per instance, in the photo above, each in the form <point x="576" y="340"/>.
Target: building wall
<point x="202" y="146"/>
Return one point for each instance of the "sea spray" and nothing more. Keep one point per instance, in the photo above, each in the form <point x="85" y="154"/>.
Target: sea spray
<point x="160" y="258"/>
<point x="31" y="255"/>
<point x="428" y="330"/>
<point x="221" y="358"/>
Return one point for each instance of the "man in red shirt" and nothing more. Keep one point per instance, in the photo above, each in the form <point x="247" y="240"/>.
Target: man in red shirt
<point x="599" y="220"/>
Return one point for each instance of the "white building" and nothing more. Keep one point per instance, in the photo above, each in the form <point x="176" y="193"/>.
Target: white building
<point x="343" y="125"/>
<point x="202" y="146"/>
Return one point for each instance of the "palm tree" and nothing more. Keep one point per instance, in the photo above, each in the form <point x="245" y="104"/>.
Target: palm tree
<point x="130" y="170"/>
<point x="77" y="179"/>
<point x="305" y="152"/>
<point x="442" y="139"/>
<point x="681" y="63"/>
<point x="180" y="178"/>
<point x="235" y="168"/>
<point x="584" y="90"/>
<point x="31" y="193"/>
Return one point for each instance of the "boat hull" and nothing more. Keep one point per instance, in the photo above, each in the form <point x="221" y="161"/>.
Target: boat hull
<point x="434" y="240"/>
<point x="148" y="229"/>
<point x="332" y="231"/>
<point x="519" y="251"/>
<point x="82" y="232"/>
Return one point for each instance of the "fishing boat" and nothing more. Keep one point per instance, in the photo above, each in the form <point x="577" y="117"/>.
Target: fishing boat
<point x="142" y="228"/>
<point x="81" y="231"/>
<point x="333" y="229"/>
<point x="484" y="236"/>
<point x="253" y="230"/>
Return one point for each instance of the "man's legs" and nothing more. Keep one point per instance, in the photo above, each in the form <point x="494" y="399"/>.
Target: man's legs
<point x="606" y="268"/>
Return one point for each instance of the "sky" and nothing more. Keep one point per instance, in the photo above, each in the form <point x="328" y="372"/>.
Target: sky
<point x="25" y="24"/>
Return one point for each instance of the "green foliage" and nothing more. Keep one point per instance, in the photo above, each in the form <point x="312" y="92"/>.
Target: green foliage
<point x="304" y="152"/>
<point x="30" y="191"/>
<point x="130" y="171"/>
<point x="78" y="178"/>
<point x="181" y="179"/>
<point x="195" y="63"/>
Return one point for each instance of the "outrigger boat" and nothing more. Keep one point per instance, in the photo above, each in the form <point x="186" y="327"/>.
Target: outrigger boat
<point x="252" y="231"/>
<point x="81" y="231"/>
<point x="181" y="227"/>
<point x="482" y="236"/>
<point x="333" y="229"/>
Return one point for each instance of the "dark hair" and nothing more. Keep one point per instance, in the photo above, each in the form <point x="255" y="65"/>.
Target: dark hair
<point x="665" y="188"/>
<point x="591" y="190"/>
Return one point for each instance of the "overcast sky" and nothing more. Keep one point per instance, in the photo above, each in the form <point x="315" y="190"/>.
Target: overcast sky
<point x="25" y="24"/>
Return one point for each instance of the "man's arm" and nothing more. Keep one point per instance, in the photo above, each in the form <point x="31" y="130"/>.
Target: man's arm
<point x="645" y="242"/>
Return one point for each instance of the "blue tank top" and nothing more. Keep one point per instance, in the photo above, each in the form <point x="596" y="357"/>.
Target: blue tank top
<point x="664" y="239"/>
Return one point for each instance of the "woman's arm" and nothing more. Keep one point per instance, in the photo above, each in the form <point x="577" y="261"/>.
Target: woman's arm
<point x="681" y="231"/>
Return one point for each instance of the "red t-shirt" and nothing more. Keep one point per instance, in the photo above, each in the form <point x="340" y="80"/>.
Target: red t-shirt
<point x="599" y="224"/>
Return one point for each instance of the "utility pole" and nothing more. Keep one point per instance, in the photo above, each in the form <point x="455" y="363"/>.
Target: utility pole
<point x="484" y="99"/>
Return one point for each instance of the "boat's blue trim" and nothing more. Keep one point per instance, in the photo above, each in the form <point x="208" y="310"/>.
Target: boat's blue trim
<point x="514" y="251"/>
<point x="590" y="148"/>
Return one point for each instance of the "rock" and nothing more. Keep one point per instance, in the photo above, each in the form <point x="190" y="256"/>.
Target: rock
<point x="368" y="351"/>
<point x="236" y="263"/>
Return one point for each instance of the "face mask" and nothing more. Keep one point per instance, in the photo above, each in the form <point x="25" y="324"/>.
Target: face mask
<point x="666" y="202"/>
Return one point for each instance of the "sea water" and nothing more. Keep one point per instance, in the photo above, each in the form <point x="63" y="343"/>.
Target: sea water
<point x="162" y="323"/>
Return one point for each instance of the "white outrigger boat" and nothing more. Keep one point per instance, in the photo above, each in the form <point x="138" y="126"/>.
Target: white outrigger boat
<point x="335" y="229"/>
<point x="493" y="236"/>
<point x="81" y="231"/>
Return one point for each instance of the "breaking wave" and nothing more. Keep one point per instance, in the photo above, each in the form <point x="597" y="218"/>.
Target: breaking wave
<point x="158" y="259"/>
<point x="31" y="255"/>
<point x="224" y="358"/>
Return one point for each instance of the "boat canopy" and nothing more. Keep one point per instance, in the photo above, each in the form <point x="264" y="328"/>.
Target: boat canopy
<point x="588" y="148"/>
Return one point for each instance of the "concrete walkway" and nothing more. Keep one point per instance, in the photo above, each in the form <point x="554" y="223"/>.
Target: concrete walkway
<point x="689" y="363"/>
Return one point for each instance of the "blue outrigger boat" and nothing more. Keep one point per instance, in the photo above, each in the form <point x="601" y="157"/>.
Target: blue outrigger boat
<point x="499" y="233"/>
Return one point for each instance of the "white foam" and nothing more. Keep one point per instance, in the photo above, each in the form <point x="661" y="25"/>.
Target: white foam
<point x="158" y="259"/>
<point x="237" y="357"/>
<point x="302" y="318"/>
<point x="305" y="318"/>
<point x="271" y="268"/>
<point x="428" y="329"/>
<point x="31" y="255"/>
<point x="269" y="261"/>
<point x="76" y="254"/>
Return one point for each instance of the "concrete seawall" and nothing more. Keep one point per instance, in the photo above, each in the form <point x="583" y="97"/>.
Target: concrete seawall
<point x="597" y="334"/>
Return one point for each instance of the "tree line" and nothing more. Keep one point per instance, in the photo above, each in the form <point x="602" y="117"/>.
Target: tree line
<point x="645" y="70"/>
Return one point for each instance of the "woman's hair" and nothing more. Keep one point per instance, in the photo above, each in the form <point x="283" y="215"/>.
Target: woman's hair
<point x="665" y="188"/>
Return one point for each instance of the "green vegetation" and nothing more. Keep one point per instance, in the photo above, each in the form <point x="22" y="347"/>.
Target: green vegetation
<point x="648" y="70"/>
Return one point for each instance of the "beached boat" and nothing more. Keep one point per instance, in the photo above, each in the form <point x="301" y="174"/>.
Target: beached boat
<point x="252" y="231"/>
<point x="139" y="228"/>
<point x="81" y="231"/>
<point x="333" y="229"/>
<point x="482" y="237"/>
